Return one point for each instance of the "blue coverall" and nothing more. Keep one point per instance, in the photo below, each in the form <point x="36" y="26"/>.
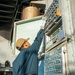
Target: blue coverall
<point x="27" y="60"/>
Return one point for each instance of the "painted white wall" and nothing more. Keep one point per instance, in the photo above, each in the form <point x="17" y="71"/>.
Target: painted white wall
<point x="5" y="48"/>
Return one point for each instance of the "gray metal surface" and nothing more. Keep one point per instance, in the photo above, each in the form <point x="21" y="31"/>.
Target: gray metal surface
<point x="68" y="21"/>
<point x="65" y="6"/>
<point x="72" y="3"/>
<point x="54" y="62"/>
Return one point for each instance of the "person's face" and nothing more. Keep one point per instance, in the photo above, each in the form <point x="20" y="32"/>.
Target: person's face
<point x="26" y="44"/>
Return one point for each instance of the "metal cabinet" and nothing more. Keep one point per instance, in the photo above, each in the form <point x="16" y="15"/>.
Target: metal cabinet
<point x="59" y="28"/>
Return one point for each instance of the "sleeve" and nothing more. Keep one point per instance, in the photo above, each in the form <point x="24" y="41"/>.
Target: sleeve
<point x="39" y="32"/>
<point x="13" y="71"/>
<point x="37" y="42"/>
<point x="19" y="62"/>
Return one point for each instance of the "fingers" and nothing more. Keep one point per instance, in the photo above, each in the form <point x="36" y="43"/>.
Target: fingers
<point x="42" y="27"/>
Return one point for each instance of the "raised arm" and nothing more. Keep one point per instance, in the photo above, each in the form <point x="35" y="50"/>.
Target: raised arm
<point x="37" y="42"/>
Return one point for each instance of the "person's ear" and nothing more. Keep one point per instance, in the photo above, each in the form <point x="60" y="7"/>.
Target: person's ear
<point x="24" y="45"/>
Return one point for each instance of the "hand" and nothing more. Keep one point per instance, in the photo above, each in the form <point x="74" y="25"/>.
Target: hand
<point x="42" y="27"/>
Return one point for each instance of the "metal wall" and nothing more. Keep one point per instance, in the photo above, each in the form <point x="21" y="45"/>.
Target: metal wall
<point x="48" y="3"/>
<point x="72" y="3"/>
<point x="68" y="12"/>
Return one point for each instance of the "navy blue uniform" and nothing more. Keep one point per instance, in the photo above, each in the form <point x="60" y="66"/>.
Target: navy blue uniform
<point x="27" y="60"/>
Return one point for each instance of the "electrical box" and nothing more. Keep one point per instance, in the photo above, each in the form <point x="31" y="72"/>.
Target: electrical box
<point x="60" y="48"/>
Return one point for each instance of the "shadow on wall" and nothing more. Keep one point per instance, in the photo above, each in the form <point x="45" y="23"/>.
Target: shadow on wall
<point x="5" y="34"/>
<point x="72" y="65"/>
<point x="71" y="73"/>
